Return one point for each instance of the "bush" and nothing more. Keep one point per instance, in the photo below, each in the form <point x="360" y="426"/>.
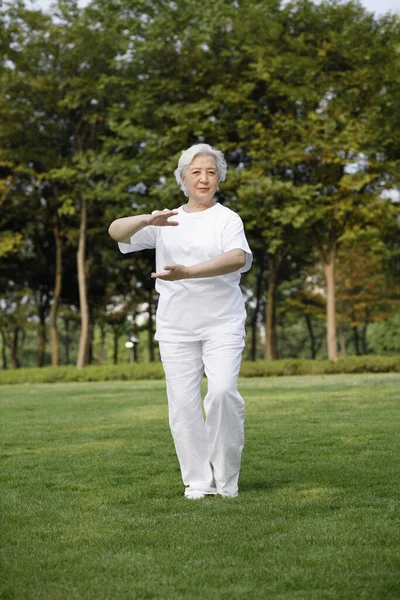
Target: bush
<point x="122" y="372"/>
<point x="259" y="368"/>
<point x="302" y="366"/>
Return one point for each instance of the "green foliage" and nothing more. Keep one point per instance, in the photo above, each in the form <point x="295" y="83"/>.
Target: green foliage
<point x="10" y="242"/>
<point x="258" y="368"/>
<point x="384" y="338"/>
<point x="351" y="364"/>
<point x="98" y="102"/>
<point x="121" y="372"/>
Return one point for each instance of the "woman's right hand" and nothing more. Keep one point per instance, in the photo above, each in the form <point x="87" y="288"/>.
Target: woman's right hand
<point x="159" y="218"/>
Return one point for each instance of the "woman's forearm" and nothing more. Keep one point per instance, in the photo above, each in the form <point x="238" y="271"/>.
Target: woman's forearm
<point x="228" y="262"/>
<point x="121" y="230"/>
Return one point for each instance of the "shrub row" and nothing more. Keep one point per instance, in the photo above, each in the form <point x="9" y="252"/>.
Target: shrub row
<point x="260" y="368"/>
<point x="300" y="366"/>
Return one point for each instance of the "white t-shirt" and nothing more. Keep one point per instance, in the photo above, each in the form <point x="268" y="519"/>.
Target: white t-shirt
<point x="196" y="309"/>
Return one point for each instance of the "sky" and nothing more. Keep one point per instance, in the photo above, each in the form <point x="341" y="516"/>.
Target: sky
<point x="378" y="7"/>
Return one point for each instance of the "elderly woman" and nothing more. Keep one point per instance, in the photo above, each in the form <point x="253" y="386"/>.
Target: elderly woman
<point x="201" y="250"/>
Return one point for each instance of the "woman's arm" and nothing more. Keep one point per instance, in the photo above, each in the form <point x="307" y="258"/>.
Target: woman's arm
<point x="121" y="230"/>
<point x="228" y="262"/>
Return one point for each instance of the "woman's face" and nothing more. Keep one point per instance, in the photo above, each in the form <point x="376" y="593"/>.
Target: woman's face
<point x="201" y="179"/>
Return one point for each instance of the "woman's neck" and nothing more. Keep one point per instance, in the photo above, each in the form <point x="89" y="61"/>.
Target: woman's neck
<point x="195" y="206"/>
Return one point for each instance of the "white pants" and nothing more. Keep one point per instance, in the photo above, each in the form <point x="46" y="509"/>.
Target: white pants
<point x="209" y="450"/>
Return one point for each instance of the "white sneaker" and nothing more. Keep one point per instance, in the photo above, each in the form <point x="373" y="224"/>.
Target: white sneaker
<point x="195" y="495"/>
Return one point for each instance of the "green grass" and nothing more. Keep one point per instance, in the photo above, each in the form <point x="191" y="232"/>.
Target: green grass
<point x="93" y="507"/>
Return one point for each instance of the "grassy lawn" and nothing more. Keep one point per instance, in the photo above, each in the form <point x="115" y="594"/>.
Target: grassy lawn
<point x="92" y="503"/>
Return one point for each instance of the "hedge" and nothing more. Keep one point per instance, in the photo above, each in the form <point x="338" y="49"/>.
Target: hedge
<point x="260" y="368"/>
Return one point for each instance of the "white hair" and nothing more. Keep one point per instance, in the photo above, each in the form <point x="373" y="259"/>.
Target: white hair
<point x="187" y="157"/>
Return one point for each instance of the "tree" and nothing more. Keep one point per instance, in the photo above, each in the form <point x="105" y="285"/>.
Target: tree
<point x="108" y="97"/>
<point x="30" y="144"/>
<point x="306" y="128"/>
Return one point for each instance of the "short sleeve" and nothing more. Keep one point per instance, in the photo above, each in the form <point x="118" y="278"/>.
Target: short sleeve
<point x="142" y="240"/>
<point x="233" y="236"/>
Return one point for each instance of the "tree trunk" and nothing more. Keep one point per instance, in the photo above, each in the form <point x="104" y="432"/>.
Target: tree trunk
<point x="257" y="307"/>
<point x="364" y="333"/>
<point x="342" y="341"/>
<point x="102" y="349"/>
<point x="356" y="341"/>
<point x="14" y="349"/>
<point x="67" y="341"/>
<point x="312" y="336"/>
<point x="92" y="314"/>
<point x="4" y="350"/>
<point x="271" y="347"/>
<point x="83" y="301"/>
<point x="42" y="340"/>
<point x="55" y="346"/>
<point x="329" y="270"/>
<point x="116" y="338"/>
<point x="43" y="300"/>
<point x="364" y="342"/>
<point x="150" y="327"/>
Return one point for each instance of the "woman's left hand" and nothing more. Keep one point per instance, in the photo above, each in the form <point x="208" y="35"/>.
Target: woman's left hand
<point x="172" y="273"/>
